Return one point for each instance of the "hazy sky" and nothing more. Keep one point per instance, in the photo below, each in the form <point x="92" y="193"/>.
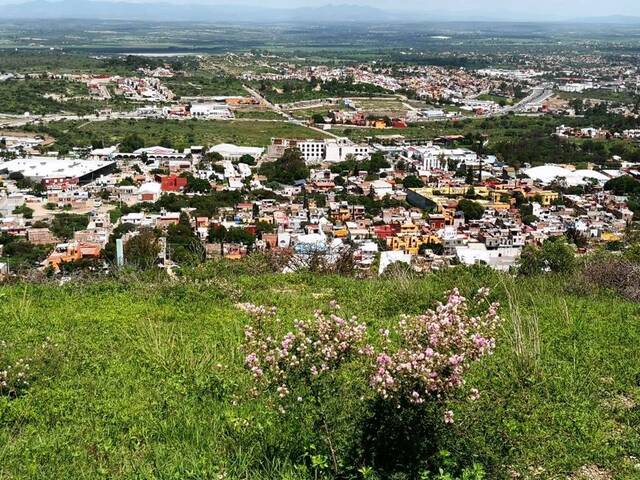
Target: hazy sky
<point x="522" y="9"/>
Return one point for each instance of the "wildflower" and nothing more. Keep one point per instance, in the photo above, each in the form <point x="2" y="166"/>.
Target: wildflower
<point x="474" y="394"/>
<point x="448" y="417"/>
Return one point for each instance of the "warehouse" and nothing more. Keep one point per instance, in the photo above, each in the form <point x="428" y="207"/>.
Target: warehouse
<point x="57" y="171"/>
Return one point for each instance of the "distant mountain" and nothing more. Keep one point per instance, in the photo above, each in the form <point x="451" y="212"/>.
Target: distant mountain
<point x="122" y="10"/>
<point x="611" y="19"/>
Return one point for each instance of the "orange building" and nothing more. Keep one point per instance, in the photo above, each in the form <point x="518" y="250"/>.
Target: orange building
<point x="71" y="252"/>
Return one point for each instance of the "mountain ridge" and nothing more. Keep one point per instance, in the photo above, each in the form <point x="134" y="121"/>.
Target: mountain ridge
<point x="161" y="11"/>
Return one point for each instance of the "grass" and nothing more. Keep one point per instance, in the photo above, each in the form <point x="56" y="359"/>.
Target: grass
<point x="150" y="384"/>
<point x="382" y="106"/>
<point x="498" y="129"/>
<point x="624" y="97"/>
<point x="181" y="133"/>
<point x="204" y="85"/>
<point x="258" y="114"/>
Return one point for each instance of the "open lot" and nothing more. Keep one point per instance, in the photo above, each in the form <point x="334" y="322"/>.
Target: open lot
<point x="181" y="134"/>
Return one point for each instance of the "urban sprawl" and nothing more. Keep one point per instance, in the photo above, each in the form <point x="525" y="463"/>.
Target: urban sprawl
<point x="361" y="180"/>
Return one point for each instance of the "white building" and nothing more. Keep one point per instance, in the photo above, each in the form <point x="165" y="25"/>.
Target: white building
<point x="149" y="192"/>
<point x="211" y="110"/>
<point x="501" y="258"/>
<point x="434" y="157"/>
<point x="235" y="152"/>
<point x="381" y="188"/>
<point x="316" y="151"/>
<point x="44" y="168"/>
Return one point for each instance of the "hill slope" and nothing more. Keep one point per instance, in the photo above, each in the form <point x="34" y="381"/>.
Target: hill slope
<point x="146" y="380"/>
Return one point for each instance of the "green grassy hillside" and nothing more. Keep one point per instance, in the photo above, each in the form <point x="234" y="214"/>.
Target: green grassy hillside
<point x="145" y="379"/>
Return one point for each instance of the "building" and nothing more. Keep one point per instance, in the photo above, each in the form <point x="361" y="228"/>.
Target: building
<point x="331" y="150"/>
<point x="59" y="172"/>
<point x="149" y="192"/>
<point x="235" y="152"/>
<point x="73" y="251"/>
<point x="171" y="183"/>
<point x="211" y="110"/>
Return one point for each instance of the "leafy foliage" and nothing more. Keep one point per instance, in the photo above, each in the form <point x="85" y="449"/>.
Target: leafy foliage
<point x="287" y="169"/>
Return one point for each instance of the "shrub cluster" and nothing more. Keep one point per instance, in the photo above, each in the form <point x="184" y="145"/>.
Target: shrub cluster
<point x="393" y="380"/>
<point x="612" y="272"/>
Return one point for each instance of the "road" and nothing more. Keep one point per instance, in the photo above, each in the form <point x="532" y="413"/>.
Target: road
<point x="537" y="96"/>
<point x="286" y="115"/>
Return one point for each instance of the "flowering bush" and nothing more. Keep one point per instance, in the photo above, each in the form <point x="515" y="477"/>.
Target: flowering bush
<point x="419" y="364"/>
<point x="302" y="364"/>
<point x="428" y="355"/>
<point x="306" y="353"/>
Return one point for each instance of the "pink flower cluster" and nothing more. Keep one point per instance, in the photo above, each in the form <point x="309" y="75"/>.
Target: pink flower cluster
<point x="430" y="353"/>
<point x="311" y="349"/>
<point x="424" y="358"/>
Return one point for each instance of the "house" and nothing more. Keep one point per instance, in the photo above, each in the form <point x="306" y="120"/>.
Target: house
<point x="171" y="183"/>
<point x="41" y="236"/>
<point x="381" y="188"/>
<point x="149" y="192"/>
<point x="73" y="251"/>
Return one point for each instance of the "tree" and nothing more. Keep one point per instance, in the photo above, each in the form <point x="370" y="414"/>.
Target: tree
<point x="623" y="185"/>
<point x="240" y="235"/>
<point x="247" y="159"/>
<point x="126" y="182"/>
<point x="197" y="185"/>
<point x="377" y="162"/>
<point x="131" y="143"/>
<point x="185" y="246"/>
<point x="318" y="118"/>
<point x="212" y="157"/>
<point x="64" y="225"/>
<point x="469" y="177"/>
<point x="411" y="181"/>
<point x="166" y="142"/>
<point x="22" y="253"/>
<point x="558" y="256"/>
<point x="109" y="252"/>
<point x="287" y="169"/>
<point x="264" y="227"/>
<point x="24" y="210"/>
<point x="554" y="256"/>
<point x="218" y="234"/>
<point x="472" y="210"/>
<point x="142" y="250"/>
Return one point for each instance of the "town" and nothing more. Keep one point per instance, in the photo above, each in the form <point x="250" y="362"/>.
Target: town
<point x="363" y="177"/>
<point x="282" y="240"/>
<point x="385" y="199"/>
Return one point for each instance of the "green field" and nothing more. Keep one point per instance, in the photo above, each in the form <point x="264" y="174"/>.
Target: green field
<point x="258" y="114"/>
<point x="147" y="379"/>
<point x="625" y="97"/>
<point x="203" y="85"/>
<point x="181" y="134"/>
<point x="497" y="129"/>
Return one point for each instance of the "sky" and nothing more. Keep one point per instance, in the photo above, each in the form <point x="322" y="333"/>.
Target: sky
<point x="499" y="9"/>
<point x="558" y="8"/>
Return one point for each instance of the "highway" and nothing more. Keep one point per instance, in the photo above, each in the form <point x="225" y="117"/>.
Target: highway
<point x="537" y="96"/>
